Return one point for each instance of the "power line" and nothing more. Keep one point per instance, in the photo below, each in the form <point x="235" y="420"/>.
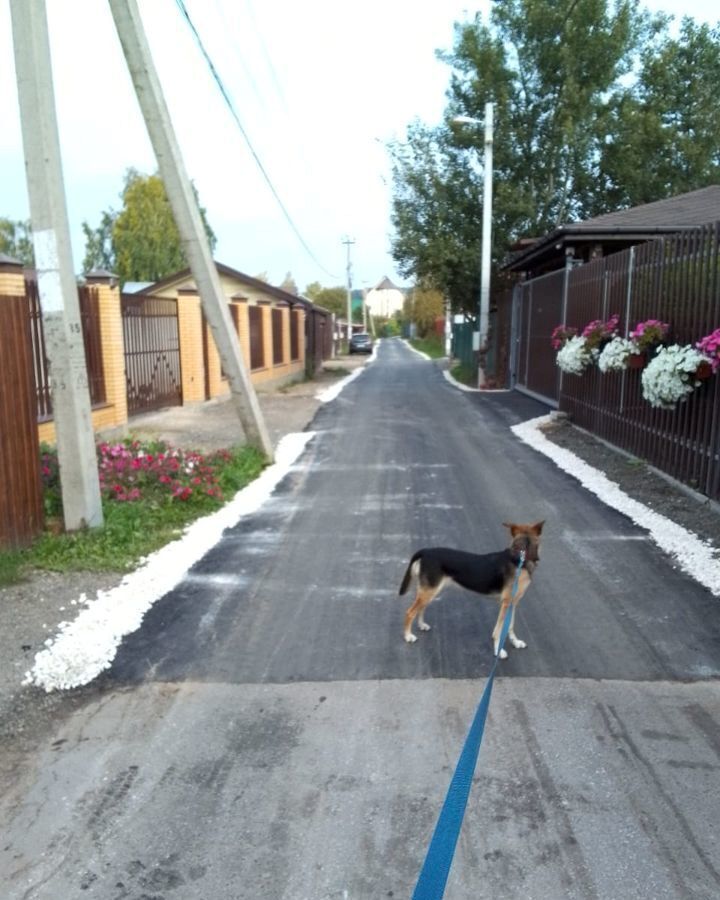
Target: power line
<point x="231" y="107"/>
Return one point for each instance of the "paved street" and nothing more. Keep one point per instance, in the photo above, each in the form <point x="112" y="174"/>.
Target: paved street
<point x="268" y="734"/>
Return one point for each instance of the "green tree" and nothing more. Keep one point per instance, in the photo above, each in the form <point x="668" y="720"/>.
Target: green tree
<point x="669" y="118"/>
<point x="16" y="241"/>
<point x="99" y="252"/>
<point x="532" y="62"/>
<point x="333" y="299"/>
<point x="424" y="307"/>
<point x="141" y="241"/>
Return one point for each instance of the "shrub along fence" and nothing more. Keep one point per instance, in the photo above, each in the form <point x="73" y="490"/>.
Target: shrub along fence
<point x="676" y="280"/>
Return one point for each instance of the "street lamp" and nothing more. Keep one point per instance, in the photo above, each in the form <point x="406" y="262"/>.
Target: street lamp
<point x="484" y="308"/>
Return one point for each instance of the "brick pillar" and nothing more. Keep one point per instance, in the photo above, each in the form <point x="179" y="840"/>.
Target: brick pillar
<point x="192" y="365"/>
<point x="21" y="507"/>
<point x="113" y="349"/>
<point x="239" y="302"/>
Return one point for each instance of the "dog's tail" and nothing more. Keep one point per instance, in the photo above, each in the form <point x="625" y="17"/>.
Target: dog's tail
<point x="409" y="573"/>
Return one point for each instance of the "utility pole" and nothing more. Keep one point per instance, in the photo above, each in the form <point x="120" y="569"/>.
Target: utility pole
<point x="484" y="304"/>
<point x="80" y="485"/>
<point x="348" y="243"/>
<point x="187" y="218"/>
<point x="486" y="244"/>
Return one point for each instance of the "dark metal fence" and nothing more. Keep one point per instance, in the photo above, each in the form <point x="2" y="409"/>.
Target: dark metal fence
<point x="88" y="298"/>
<point x="152" y="352"/>
<point x="675" y="279"/>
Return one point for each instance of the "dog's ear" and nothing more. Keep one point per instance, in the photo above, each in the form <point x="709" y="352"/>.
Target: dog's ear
<point x="513" y="528"/>
<point x="538" y="527"/>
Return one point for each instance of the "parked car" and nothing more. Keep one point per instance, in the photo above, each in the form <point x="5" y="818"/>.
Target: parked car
<point x="361" y="343"/>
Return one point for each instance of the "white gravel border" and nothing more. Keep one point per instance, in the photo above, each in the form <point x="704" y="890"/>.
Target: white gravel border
<point x="83" y="648"/>
<point x="697" y="558"/>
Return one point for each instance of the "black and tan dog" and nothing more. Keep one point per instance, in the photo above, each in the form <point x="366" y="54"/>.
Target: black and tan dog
<point x="489" y="573"/>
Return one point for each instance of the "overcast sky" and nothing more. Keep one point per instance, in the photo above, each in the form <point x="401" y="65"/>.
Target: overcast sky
<point x="319" y="87"/>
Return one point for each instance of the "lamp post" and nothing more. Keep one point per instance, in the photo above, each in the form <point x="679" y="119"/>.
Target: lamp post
<point x="484" y="308"/>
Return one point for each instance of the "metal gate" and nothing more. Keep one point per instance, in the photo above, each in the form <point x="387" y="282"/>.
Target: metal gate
<point x="537" y="309"/>
<point x="152" y="352"/>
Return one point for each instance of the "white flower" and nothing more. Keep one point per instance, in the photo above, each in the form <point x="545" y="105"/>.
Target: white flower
<point x="670" y="375"/>
<point x="615" y="353"/>
<point x="574" y="355"/>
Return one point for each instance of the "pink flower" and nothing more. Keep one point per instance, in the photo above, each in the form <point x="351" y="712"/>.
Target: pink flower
<point x="710" y="346"/>
<point x="649" y="333"/>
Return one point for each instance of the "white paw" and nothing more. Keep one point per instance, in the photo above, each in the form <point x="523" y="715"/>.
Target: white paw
<point x="410" y="638"/>
<point x="423" y="626"/>
<point x="503" y="654"/>
<point x="517" y="643"/>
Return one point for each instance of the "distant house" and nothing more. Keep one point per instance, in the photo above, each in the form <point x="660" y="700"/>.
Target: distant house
<point x="282" y="336"/>
<point x="385" y="299"/>
<point x="613" y="232"/>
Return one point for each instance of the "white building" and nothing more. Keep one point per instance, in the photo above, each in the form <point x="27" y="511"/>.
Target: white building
<point x="385" y="299"/>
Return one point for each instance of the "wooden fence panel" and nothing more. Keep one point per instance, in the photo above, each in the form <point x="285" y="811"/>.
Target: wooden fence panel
<point x="21" y="509"/>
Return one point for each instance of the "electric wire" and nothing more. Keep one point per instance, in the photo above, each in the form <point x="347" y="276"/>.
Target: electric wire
<point x="233" y="112"/>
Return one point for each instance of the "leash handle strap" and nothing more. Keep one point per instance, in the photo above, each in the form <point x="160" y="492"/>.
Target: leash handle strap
<point x="436" y="868"/>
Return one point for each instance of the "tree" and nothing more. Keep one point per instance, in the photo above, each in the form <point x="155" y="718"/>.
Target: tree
<point x="424" y="307"/>
<point x="99" y="253"/>
<point x="549" y="93"/>
<point x="289" y="284"/>
<point x="16" y="241"/>
<point x="333" y="299"/>
<point x="141" y="241"/>
<point x="669" y="118"/>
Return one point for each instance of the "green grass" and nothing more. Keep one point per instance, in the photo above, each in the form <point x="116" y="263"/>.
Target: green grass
<point x="434" y="346"/>
<point x="464" y="374"/>
<point x="130" y="530"/>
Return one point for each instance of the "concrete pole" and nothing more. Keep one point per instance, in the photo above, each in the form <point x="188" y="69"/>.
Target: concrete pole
<point x="82" y="504"/>
<point x="348" y="243"/>
<point x="187" y="217"/>
<point x="486" y="245"/>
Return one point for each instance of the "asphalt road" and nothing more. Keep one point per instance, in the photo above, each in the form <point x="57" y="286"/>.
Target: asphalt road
<point x="268" y="733"/>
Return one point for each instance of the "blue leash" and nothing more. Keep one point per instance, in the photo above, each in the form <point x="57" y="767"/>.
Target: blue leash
<point x="436" y="868"/>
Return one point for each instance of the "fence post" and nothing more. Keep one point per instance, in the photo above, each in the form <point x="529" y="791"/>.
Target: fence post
<point x="21" y="506"/>
<point x="628" y="295"/>
<point x="190" y="336"/>
<point x="112" y="349"/>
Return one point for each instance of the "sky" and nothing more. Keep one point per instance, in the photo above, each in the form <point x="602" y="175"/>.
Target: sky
<point x="320" y="88"/>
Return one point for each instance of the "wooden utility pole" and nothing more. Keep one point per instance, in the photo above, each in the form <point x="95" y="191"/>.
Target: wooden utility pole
<point x="187" y="218"/>
<point x="80" y="485"/>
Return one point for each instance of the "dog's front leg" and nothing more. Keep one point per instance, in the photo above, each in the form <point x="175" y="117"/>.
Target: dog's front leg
<point x="504" y="603"/>
<point x="514" y="639"/>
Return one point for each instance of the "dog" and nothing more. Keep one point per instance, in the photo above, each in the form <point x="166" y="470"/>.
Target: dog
<point x="490" y="573"/>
